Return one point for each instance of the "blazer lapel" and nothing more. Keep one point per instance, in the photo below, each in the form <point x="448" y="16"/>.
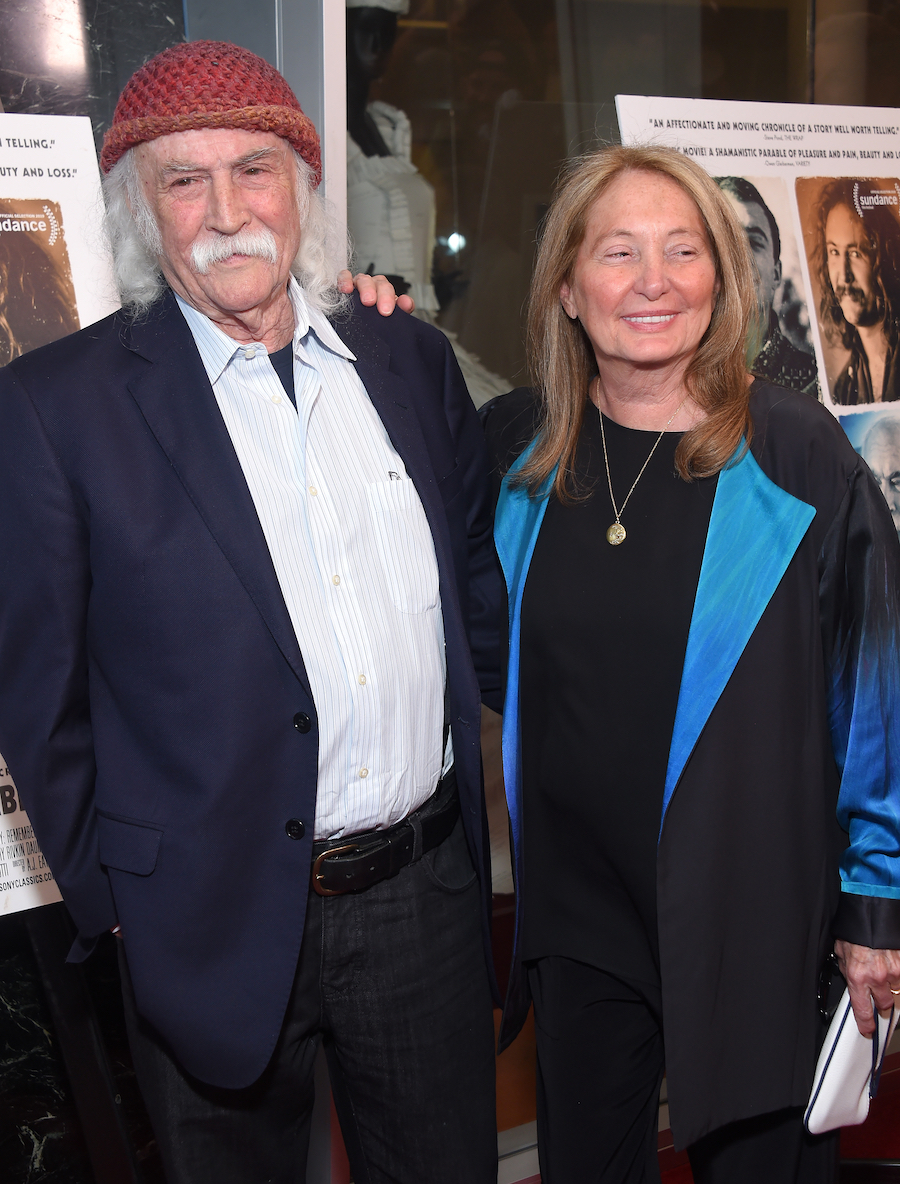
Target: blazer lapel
<point x="754" y="530"/>
<point x="177" y="401"/>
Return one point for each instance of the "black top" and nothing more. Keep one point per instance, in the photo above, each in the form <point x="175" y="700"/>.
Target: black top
<point x="604" y="631"/>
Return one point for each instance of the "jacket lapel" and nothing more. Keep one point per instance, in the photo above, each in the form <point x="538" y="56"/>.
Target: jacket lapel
<point x="178" y="404"/>
<point x="517" y="524"/>
<point x="754" y="530"/>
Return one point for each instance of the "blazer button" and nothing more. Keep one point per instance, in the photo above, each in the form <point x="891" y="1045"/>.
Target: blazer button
<point x="302" y="722"/>
<point x="294" y="828"/>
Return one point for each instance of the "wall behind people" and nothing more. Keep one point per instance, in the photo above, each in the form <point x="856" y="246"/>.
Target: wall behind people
<point x="499" y="92"/>
<point x="72" y="57"/>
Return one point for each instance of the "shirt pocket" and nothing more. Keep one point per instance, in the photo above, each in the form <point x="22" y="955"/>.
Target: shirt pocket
<point x="403" y="540"/>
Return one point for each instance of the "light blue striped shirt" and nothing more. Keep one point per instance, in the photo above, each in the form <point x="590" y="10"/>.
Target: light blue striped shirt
<point x="355" y="560"/>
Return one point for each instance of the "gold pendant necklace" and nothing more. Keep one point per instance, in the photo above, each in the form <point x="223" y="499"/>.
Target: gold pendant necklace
<point x="616" y="533"/>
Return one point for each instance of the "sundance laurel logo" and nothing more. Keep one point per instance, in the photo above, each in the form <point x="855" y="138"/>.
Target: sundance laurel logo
<point x="867" y="197"/>
<point x="45" y="223"/>
<point x="37" y="296"/>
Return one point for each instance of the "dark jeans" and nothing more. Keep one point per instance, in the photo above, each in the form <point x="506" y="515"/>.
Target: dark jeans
<point x="600" y="1065"/>
<point x="394" y="980"/>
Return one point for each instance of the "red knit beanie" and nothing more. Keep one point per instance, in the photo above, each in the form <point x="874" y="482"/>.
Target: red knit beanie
<point x="208" y="84"/>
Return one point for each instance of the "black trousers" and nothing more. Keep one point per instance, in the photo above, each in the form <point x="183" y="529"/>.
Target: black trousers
<point x="394" y="981"/>
<point x="600" y="1067"/>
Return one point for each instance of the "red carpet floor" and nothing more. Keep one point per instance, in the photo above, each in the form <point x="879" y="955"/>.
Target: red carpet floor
<point x="877" y="1138"/>
<point x="879" y="1135"/>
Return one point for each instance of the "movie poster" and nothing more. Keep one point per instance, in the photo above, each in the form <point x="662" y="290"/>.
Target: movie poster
<point x="55" y="277"/>
<point x="25" y="878"/>
<point x="817" y="190"/>
<point x="37" y="297"/>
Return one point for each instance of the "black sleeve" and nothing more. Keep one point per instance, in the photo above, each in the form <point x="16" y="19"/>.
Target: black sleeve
<point x="45" y="723"/>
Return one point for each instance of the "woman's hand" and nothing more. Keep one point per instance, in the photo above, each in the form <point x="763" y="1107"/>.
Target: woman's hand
<point x="870" y="974"/>
<point x="375" y="289"/>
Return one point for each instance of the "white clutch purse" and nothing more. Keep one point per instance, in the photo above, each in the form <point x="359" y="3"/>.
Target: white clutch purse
<point x="848" y="1070"/>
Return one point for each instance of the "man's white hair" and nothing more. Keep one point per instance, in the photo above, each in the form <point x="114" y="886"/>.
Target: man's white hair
<point x="136" y="243"/>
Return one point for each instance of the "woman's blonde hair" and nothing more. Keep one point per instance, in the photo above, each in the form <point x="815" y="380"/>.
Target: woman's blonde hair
<point x="560" y="356"/>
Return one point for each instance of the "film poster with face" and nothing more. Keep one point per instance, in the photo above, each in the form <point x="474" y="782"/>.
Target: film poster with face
<point x="55" y="277"/>
<point x="817" y="190"/>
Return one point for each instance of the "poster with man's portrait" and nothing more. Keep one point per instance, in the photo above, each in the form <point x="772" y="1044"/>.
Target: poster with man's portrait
<point x="762" y="206"/>
<point x="827" y="175"/>
<point x="851" y="234"/>
<point x="55" y="277"/>
<point x="875" y="434"/>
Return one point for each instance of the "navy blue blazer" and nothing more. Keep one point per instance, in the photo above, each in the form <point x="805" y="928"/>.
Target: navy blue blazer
<point x="149" y="674"/>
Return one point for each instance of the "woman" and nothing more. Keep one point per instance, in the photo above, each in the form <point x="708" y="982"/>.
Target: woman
<point x="703" y="589"/>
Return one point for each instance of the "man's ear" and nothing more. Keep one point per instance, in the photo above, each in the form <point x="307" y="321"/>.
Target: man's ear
<point x="567" y="301"/>
<point x="777" y="272"/>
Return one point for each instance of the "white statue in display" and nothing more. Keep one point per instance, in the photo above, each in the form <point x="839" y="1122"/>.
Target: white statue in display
<point x="390" y="205"/>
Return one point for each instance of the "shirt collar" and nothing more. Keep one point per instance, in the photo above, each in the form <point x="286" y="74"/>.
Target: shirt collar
<point x="217" y="349"/>
<point x="306" y="318"/>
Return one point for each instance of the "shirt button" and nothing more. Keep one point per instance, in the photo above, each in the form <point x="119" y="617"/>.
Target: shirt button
<point x="364" y="772"/>
<point x="294" y="828"/>
<point x="335" y="580"/>
<point x="362" y="680"/>
<point x="250" y="353"/>
<point x="276" y="398"/>
<point x="313" y="491"/>
<point x="302" y="722"/>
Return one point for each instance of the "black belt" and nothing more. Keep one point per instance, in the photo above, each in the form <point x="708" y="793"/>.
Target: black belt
<point x="356" y="862"/>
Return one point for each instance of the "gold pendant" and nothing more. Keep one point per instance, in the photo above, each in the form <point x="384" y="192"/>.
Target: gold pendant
<point x="615" y="534"/>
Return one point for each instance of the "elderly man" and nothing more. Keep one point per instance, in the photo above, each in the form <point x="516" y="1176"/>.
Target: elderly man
<point x="881" y="452"/>
<point x="778" y="360"/>
<point x="857" y="263"/>
<point x="246" y="566"/>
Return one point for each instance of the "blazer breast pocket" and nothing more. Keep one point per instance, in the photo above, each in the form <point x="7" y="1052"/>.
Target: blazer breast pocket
<point x="405" y="547"/>
<point x="128" y="846"/>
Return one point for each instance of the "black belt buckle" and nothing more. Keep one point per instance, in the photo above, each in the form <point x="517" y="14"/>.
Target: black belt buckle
<point x="318" y="875"/>
<point x="391" y="849"/>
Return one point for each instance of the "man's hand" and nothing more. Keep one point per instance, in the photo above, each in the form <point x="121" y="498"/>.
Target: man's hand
<point x="870" y="974"/>
<point x="375" y="289"/>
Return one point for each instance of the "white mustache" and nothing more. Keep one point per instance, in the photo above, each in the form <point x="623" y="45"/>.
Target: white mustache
<point x="208" y="251"/>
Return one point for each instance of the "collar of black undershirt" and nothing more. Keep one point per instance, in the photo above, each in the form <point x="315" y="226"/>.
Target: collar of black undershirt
<point x="283" y="362"/>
